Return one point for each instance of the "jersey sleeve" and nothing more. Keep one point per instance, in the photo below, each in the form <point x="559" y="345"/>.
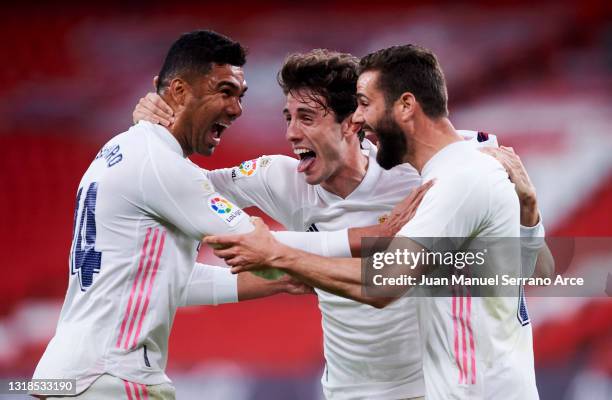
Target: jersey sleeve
<point x="268" y="182"/>
<point x="178" y="192"/>
<point x="210" y="285"/>
<point x="532" y="241"/>
<point x="326" y="244"/>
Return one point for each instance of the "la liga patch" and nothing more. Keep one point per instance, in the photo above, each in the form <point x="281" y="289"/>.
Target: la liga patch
<point x="225" y="209"/>
<point x="248" y="168"/>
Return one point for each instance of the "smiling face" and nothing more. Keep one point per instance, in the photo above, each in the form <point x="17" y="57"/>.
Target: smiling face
<point x="315" y="136"/>
<point x="376" y="117"/>
<point x="210" y="105"/>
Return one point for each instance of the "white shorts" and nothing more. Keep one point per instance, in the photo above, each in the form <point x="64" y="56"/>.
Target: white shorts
<point x="108" y="387"/>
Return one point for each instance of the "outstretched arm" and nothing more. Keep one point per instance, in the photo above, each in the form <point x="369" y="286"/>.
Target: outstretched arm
<point x="259" y="250"/>
<point x="251" y="286"/>
<point x="212" y="285"/>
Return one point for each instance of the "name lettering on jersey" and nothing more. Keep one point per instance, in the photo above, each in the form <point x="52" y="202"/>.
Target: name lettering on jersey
<point x="224" y="209"/>
<point x="111" y="154"/>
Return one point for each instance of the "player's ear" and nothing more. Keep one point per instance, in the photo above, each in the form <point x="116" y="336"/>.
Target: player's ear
<point x="155" y="81"/>
<point x="349" y="127"/>
<point x="406" y="105"/>
<point x="178" y="91"/>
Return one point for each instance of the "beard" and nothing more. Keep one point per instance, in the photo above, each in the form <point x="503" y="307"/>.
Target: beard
<point x="392" y="143"/>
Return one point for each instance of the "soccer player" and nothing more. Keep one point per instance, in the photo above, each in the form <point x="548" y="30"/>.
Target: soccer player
<point x="142" y="209"/>
<point x="333" y="184"/>
<point x="473" y="348"/>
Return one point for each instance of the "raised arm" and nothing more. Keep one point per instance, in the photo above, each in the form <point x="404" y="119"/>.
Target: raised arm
<point x="154" y="109"/>
<point x="536" y="256"/>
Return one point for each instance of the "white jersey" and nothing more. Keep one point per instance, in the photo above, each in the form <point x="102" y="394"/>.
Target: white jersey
<point x="141" y="210"/>
<point x="366" y="349"/>
<point x="473" y="348"/>
<point x="369" y="353"/>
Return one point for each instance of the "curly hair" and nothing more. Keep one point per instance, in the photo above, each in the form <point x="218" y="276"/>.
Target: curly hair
<point x="329" y="74"/>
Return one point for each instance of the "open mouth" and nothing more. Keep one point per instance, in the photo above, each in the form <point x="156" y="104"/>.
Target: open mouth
<point x="306" y="156"/>
<point x="215" y="132"/>
<point x="217" y="129"/>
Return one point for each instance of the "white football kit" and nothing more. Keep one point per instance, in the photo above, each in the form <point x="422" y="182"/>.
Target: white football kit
<point x="473" y="347"/>
<point x="141" y="210"/>
<point x="370" y="353"/>
<point x="366" y="349"/>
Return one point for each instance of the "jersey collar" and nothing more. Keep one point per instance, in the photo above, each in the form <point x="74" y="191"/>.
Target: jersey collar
<point x="164" y="135"/>
<point x="368" y="182"/>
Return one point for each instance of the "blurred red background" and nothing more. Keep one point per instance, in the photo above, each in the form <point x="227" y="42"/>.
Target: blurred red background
<point x="536" y="75"/>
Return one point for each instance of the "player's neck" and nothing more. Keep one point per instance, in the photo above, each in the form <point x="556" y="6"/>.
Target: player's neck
<point x="179" y="132"/>
<point x="178" y="129"/>
<point x="434" y="135"/>
<point x="347" y="178"/>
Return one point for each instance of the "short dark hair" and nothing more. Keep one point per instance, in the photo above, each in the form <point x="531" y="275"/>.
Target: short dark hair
<point x="194" y="53"/>
<point x="413" y="69"/>
<point x="329" y="74"/>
